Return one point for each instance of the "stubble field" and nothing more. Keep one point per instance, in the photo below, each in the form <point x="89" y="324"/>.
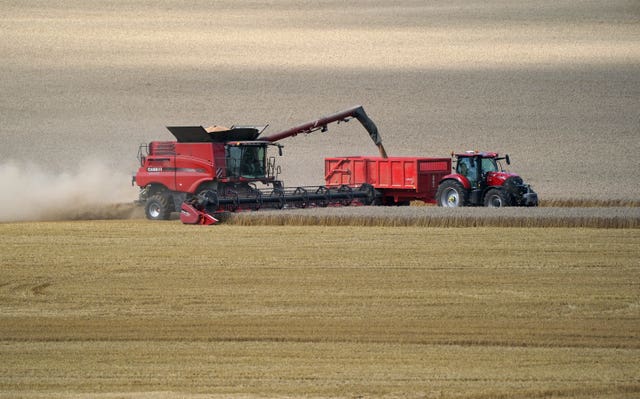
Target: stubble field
<point x="375" y="302"/>
<point x="159" y="309"/>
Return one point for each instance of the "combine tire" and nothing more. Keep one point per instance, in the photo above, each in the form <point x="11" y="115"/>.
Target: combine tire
<point x="158" y="208"/>
<point x="451" y="194"/>
<point x="496" y="198"/>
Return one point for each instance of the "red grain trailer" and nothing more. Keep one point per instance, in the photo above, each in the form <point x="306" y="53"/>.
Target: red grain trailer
<point x="398" y="180"/>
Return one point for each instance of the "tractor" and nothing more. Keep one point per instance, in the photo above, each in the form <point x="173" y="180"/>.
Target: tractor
<point x="479" y="179"/>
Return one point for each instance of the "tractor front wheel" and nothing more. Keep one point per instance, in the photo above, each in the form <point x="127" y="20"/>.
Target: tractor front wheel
<point x="496" y="198"/>
<point x="451" y="194"/>
<point x="158" y="207"/>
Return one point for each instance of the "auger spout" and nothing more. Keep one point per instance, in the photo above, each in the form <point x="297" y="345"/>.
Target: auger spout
<point x="321" y="124"/>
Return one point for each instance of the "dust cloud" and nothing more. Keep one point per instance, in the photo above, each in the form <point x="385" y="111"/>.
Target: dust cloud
<point x="31" y="192"/>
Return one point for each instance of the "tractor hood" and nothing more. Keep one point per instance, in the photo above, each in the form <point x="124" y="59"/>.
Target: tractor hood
<point x="198" y="134"/>
<point x="498" y="178"/>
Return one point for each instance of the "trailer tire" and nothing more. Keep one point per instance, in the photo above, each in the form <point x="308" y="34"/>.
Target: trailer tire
<point x="497" y="198"/>
<point x="451" y="194"/>
<point x="158" y="207"/>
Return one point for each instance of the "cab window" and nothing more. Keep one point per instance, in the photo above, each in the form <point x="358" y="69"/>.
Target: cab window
<point x="253" y="162"/>
<point x="234" y="157"/>
<point x="489" y="165"/>
<point x="465" y="167"/>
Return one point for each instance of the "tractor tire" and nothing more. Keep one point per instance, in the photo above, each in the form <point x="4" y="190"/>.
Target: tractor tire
<point x="158" y="207"/>
<point x="497" y="198"/>
<point x="451" y="194"/>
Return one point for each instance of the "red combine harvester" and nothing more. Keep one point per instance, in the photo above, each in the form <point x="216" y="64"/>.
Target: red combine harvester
<point x="207" y="171"/>
<point x="217" y="169"/>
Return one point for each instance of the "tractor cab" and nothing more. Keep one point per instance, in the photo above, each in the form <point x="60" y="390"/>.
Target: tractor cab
<point x="480" y="167"/>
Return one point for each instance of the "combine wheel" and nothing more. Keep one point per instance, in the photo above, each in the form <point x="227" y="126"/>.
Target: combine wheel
<point x="210" y="200"/>
<point x="207" y="186"/>
<point x="158" y="207"/>
<point x="451" y="194"/>
<point x="496" y="198"/>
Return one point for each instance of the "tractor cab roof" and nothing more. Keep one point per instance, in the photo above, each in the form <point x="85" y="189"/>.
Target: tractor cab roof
<point x="482" y="154"/>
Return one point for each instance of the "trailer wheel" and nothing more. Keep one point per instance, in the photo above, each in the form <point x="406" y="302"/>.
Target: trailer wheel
<point x="451" y="194"/>
<point x="157" y="207"/>
<point x="496" y="198"/>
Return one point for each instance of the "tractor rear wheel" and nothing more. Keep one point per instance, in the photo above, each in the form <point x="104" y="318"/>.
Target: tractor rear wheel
<point x="496" y="198"/>
<point x="158" y="207"/>
<point x="451" y="194"/>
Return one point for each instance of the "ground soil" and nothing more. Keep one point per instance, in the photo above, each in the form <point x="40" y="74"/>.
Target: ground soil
<point x="555" y="84"/>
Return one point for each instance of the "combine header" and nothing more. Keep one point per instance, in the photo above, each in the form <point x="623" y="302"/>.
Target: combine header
<point x="200" y="209"/>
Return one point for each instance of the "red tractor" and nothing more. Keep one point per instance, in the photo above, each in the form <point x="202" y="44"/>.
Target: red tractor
<point x="214" y="169"/>
<point x="480" y="180"/>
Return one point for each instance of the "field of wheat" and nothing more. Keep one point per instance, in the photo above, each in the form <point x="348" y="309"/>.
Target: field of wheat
<point x="132" y="308"/>
<point x="433" y="216"/>
<point x="411" y="302"/>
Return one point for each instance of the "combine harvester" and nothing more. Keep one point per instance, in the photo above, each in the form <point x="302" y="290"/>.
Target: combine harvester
<point x="208" y="171"/>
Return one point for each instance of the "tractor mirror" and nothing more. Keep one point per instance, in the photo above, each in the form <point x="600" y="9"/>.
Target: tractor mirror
<point x="506" y="158"/>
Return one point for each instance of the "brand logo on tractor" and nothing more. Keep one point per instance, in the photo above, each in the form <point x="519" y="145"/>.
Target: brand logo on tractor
<point x="154" y="169"/>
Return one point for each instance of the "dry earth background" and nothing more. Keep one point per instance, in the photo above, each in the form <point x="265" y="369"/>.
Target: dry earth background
<point x="556" y="84"/>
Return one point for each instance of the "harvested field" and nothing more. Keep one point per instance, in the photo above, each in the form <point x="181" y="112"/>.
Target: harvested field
<point x="417" y="215"/>
<point x="353" y="302"/>
<point x="432" y="216"/>
<point x="160" y="309"/>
